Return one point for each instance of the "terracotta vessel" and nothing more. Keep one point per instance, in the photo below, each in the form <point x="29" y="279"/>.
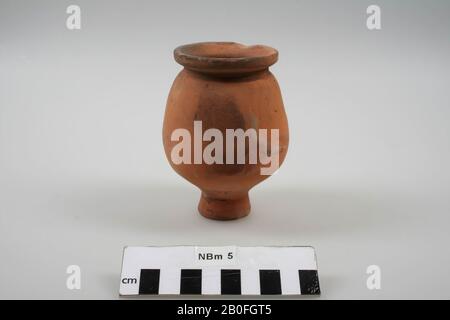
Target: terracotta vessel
<point x="225" y="85"/>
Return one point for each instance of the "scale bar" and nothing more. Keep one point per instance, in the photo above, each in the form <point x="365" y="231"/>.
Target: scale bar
<point x="194" y="282"/>
<point x="255" y="271"/>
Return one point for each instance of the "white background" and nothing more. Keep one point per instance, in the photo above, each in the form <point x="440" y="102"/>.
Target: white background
<point x="82" y="169"/>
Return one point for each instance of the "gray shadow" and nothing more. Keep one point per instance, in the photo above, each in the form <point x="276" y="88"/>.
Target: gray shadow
<point x="283" y="213"/>
<point x="290" y="216"/>
<point x="306" y="211"/>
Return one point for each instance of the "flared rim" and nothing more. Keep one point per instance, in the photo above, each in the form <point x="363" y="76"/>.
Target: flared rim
<point x="225" y="57"/>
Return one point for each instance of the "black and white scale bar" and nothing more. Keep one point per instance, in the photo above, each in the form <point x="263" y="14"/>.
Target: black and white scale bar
<point x="253" y="271"/>
<point x="230" y="282"/>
